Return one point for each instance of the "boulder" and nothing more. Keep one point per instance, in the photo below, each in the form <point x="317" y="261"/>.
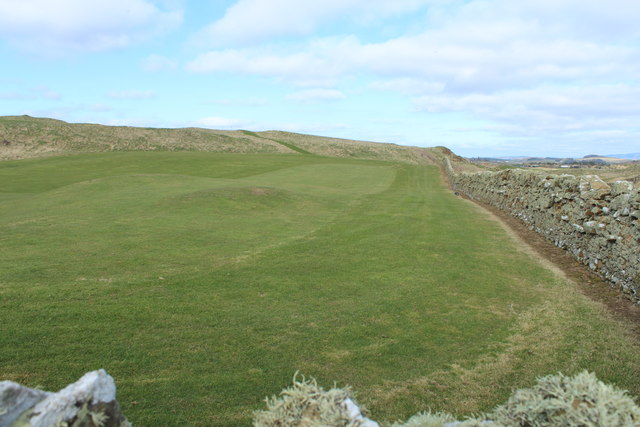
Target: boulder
<point x="16" y="399"/>
<point x="621" y="187"/>
<point x="91" y="401"/>
<point x="592" y="187"/>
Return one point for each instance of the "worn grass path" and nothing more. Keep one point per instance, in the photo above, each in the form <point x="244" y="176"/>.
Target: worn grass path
<point x="202" y="282"/>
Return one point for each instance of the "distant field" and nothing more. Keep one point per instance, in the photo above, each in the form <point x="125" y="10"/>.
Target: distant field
<point x="203" y="281"/>
<point x="629" y="172"/>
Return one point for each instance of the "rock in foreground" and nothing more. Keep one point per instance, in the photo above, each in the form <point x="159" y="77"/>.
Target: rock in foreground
<point x="89" y="402"/>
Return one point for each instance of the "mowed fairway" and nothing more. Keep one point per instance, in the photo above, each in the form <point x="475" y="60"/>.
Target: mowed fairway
<point x="202" y="282"/>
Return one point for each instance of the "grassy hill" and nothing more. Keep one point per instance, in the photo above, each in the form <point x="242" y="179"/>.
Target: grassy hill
<point x="27" y="137"/>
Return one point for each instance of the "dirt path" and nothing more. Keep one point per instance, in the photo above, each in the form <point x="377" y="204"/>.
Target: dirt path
<point x="564" y="264"/>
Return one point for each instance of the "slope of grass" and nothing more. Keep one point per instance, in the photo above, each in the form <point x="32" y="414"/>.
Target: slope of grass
<point x="203" y="281"/>
<point x="337" y="147"/>
<point x="28" y="137"/>
<point x="286" y="144"/>
<point x="24" y="137"/>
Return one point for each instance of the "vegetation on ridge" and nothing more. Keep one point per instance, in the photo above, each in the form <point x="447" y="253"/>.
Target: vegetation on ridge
<point x="26" y="137"/>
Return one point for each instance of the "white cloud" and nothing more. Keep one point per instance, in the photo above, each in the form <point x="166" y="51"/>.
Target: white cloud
<point x="299" y="66"/>
<point x="593" y="19"/>
<point x="155" y="63"/>
<point x="408" y="85"/>
<point x="62" y="27"/>
<point x="317" y="95"/>
<point x="565" y="70"/>
<point x="241" y="102"/>
<point x="250" y="21"/>
<point x="132" y="94"/>
<point x="512" y="59"/>
<point x="32" y="93"/>
<point x="13" y="95"/>
<point x="220" y="123"/>
<point x="547" y="111"/>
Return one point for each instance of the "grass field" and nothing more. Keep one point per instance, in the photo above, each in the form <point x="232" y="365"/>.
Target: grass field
<point x="626" y="171"/>
<point x="203" y="281"/>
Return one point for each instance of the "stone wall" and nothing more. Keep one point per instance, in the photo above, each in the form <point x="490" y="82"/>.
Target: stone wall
<point x="596" y="222"/>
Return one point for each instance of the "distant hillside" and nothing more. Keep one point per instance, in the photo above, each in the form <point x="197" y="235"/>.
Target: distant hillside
<point x="335" y="147"/>
<point x="25" y="137"/>
<point x="605" y="159"/>
<point x="590" y="158"/>
<point x="439" y="156"/>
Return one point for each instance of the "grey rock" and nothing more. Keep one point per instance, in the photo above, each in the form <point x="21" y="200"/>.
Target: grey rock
<point x="593" y="187"/>
<point x="89" y="401"/>
<point x="590" y="227"/>
<point x="620" y="201"/>
<point x="621" y="187"/>
<point x="355" y="415"/>
<point x="15" y="399"/>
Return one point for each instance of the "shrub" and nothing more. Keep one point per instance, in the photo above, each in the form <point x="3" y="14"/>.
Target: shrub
<point x="555" y="400"/>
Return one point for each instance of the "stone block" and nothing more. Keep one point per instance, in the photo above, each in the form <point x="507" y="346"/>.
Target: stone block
<point x="593" y="187"/>
<point x="621" y="187"/>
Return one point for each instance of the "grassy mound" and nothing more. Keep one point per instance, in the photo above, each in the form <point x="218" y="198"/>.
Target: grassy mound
<point x="24" y="137"/>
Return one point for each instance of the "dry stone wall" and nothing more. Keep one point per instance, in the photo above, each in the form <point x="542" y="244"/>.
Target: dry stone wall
<point x="596" y="222"/>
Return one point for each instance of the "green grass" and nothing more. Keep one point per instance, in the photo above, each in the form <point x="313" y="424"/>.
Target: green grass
<point x="283" y="143"/>
<point x="202" y="282"/>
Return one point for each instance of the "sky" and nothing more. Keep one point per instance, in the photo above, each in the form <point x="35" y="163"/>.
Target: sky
<point x="482" y="77"/>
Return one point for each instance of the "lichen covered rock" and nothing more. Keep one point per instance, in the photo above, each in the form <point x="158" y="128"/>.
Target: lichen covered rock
<point x="89" y="402"/>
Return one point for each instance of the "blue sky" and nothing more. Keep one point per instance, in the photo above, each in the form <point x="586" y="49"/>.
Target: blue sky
<point x="482" y="77"/>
